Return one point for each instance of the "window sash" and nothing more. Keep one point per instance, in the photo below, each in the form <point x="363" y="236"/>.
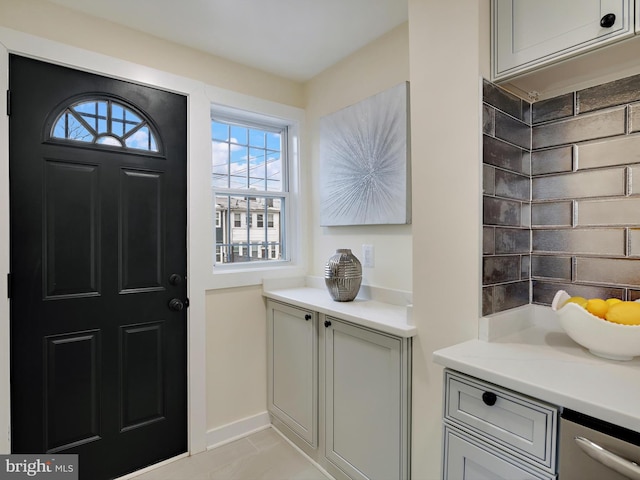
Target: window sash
<point x="266" y="248"/>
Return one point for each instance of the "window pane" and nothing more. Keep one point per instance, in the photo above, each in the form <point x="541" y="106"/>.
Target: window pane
<point x="239" y="135"/>
<point x="109" y="140"/>
<point x="274" y="141"/>
<point x="219" y="131"/>
<point x="257" y="170"/>
<point x="242" y="234"/>
<point x="239" y="167"/>
<point x="142" y="140"/>
<point x="274" y="172"/>
<point x="68" y="127"/>
<point x="117" y="120"/>
<point x="220" y="164"/>
<point x="257" y="138"/>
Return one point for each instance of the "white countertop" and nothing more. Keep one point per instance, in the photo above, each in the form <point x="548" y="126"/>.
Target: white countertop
<point x="383" y="310"/>
<point x="543" y="362"/>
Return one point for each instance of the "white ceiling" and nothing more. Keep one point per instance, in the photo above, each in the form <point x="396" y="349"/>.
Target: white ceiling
<point x="296" y="39"/>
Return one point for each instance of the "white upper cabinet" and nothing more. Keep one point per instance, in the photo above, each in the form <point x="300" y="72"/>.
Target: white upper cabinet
<point x="529" y="34"/>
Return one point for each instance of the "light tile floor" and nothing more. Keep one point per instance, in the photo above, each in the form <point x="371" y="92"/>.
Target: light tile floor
<point x="264" y="455"/>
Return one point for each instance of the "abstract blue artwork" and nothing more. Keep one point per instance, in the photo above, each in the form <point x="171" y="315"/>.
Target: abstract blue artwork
<point x="364" y="162"/>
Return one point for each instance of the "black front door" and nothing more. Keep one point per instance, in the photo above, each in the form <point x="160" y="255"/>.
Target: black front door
<point x="98" y="268"/>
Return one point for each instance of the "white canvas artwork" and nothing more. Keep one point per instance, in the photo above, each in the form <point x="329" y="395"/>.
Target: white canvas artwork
<point x="364" y="164"/>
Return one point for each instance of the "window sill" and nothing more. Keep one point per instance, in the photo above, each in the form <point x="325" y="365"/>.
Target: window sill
<point x="230" y="276"/>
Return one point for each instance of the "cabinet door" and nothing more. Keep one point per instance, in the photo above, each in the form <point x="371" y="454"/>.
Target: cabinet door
<point x="528" y="33"/>
<point x="364" y="402"/>
<point x="467" y="459"/>
<point x="292" y="358"/>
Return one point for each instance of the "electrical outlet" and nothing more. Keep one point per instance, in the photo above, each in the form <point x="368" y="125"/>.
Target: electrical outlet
<point x="367" y="256"/>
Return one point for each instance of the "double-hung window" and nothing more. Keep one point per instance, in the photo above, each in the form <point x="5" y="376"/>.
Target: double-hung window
<point x="250" y="184"/>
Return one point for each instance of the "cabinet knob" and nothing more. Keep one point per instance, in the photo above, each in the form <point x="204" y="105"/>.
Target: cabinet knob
<point x="608" y="20"/>
<point x="307" y="317"/>
<point x="489" y="398"/>
<point x="327" y="323"/>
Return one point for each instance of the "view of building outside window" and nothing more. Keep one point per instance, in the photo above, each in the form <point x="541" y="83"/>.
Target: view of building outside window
<point x="249" y="187"/>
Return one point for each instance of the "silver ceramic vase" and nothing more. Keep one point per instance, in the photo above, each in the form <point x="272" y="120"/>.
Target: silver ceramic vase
<point x="343" y="275"/>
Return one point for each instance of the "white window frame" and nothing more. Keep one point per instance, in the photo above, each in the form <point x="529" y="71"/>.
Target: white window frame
<point x="258" y="111"/>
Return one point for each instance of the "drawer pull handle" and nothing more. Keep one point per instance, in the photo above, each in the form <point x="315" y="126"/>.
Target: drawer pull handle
<point x="608" y="20"/>
<point x="614" y="462"/>
<point x="489" y="398"/>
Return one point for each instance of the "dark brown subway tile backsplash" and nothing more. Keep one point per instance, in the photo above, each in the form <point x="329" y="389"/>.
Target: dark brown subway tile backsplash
<point x="607" y="153"/>
<point x="506" y="200"/>
<point x="619" y="92"/>
<point x="561" y="212"/>
<point x="505" y="102"/>
<point x="580" y="128"/>
<point x="552" y="109"/>
<point x="504" y="155"/>
<point x="552" y="267"/>
<point x="585" y="184"/>
<point x="601" y="213"/>
<point x="583" y="241"/>
<point x="553" y="160"/>
<point x="552" y="214"/>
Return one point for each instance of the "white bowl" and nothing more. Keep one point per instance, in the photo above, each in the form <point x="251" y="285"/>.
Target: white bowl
<point x="601" y="337"/>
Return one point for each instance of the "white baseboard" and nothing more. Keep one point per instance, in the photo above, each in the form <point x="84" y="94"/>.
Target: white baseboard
<point x="236" y="430"/>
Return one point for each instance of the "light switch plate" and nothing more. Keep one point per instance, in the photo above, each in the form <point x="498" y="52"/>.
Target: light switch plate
<point x="367" y="256"/>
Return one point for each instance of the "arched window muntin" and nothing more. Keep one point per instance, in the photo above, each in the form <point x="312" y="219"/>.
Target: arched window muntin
<point x="104" y="122"/>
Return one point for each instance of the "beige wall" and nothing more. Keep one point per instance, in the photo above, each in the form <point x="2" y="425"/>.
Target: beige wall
<point x="445" y="73"/>
<point x="237" y="355"/>
<point x="66" y="26"/>
<point x="380" y="65"/>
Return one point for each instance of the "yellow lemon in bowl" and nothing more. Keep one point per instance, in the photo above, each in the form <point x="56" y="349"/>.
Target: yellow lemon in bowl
<point x="626" y="313"/>
<point x="612" y="301"/>
<point x="578" y="300"/>
<point x="597" y="307"/>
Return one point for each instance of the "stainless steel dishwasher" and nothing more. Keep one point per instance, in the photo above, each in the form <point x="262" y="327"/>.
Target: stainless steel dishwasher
<point x="591" y="449"/>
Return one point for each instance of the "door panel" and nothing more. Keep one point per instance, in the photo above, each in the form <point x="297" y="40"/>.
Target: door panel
<point x="71" y="239"/>
<point x="141" y="376"/>
<point x="141" y="230"/>
<point x="72" y="376"/>
<point x="98" y="360"/>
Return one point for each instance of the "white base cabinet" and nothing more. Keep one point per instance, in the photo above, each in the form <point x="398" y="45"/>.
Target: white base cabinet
<point x="292" y="359"/>
<point x="467" y="458"/>
<point x="494" y="433"/>
<point x="363" y="387"/>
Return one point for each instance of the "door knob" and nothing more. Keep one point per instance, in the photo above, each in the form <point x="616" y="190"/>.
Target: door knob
<point x="608" y="20"/>
<point x="176" y="305"/>
<point x="175" y="279"/>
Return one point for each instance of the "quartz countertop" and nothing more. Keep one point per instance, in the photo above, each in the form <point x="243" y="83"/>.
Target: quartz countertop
<point x="541" y="361"/>
<point x="388" y="311"/>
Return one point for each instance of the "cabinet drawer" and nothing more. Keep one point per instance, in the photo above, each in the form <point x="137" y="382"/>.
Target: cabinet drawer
<point x="523" y="426"/>
<point x="466" y="458"/>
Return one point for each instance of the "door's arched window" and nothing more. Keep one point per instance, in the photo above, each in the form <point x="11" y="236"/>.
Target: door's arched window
<point x="105" y="122"/>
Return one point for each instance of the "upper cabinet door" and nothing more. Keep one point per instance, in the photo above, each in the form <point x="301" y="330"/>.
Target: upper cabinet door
<point x="529" y="34"/>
